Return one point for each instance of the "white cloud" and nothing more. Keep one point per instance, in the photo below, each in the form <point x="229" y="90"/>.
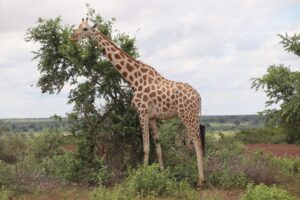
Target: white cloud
<point x="216" y="46"/>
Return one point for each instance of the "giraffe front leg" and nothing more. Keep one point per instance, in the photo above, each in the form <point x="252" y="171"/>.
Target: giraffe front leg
<point x="158" y="151"/>
<point x="144" y="121"/>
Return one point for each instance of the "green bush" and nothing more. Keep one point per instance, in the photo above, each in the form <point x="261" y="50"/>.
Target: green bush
<point x="290" y="166"/>
<point x="227" y="179"/>
<point x="3" y="194"/>
<point x="147" y="182"/>
<point x="263" y="192"/>
<point x="262" y="135"/>
<point x="47" y="144"/>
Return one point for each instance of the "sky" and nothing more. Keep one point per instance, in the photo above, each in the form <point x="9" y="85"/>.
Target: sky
<point x="215" y="46"/>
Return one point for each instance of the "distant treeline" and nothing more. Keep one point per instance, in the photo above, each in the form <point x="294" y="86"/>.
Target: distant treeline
<point x="213" y="123"/>
<point x="35" y="124"/>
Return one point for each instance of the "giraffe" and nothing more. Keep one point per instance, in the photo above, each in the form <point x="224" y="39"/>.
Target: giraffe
<point x="155" y="97"/>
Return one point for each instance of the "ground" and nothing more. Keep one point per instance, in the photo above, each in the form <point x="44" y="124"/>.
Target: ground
<point x="279" y="150"/>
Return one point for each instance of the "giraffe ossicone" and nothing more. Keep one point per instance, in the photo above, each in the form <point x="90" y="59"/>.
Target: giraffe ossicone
<point x="155" y="97"/>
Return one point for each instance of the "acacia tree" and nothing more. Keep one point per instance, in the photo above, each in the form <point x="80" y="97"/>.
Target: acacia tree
<point x="282" y="87"/>
<point x="102" y="115"/>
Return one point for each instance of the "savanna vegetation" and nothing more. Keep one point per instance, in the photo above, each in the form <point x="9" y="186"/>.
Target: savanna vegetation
<point x="96" y="152"/>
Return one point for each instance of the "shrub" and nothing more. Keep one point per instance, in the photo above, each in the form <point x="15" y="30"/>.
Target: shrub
<point x="228" y="179"/>
<point x="147" y="182"/>
<point x="263" y="192"/>
<point x="47" y="144"/>
<point x="262" y="135"/>
<point x="290" y="166"/>
<point x="260" y="168"/>
<point x="3" y="194"/>
<point x="12" y="147"/>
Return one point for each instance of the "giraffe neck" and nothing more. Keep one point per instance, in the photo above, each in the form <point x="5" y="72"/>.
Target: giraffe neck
<point x="133" y="71"/>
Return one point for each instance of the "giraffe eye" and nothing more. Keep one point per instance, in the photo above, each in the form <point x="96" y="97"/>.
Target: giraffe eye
<point x="85" y="29"/>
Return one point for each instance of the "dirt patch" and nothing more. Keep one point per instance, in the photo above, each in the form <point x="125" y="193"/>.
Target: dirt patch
<point x="71" y="148"/>
<point x="279" y="150"/>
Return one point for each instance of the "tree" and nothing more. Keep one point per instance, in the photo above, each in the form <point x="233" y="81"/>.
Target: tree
<point x="282" y="87"/>
<point x="101" y="99"/>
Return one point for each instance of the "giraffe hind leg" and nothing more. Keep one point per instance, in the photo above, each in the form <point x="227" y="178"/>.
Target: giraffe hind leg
<point x="193" y="127"/>
<point x="158" y="151"/>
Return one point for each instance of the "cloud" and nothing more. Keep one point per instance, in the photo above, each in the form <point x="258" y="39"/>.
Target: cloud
<point x="214" y="46"/>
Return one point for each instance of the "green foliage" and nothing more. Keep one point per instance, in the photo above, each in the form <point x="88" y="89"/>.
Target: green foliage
<point x="3" y="194"/>
<point x="263" y="192"/>
<point x="282" y="87"/>
<point x="147" y="182"/>
<point x="228" y="179"/>
<point x="47" y="144"/>
<point x="291" y="166"/>
<point x="264" y="135"/>
<point x="12" y="147"/>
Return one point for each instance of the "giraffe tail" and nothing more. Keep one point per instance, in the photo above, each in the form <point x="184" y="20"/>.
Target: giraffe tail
<point x="202" y="138"/>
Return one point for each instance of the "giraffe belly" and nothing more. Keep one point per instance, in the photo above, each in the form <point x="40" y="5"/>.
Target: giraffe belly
<point x="159" y="113"/>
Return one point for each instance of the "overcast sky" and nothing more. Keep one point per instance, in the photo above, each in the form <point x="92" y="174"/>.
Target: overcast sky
<point x="216" y="46"/>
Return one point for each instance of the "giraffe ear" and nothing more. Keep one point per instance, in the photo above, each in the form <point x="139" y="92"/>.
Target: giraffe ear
<point x="82" y="20"/>
<point x="95" y="26"/>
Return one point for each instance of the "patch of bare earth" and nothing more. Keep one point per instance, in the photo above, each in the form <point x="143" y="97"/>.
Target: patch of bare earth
<point x="279" y="150"/>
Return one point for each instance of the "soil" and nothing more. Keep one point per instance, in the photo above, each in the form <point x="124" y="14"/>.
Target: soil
<point x="279" y="150"/>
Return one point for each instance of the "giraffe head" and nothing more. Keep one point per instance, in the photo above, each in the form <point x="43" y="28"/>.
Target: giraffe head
<point x="83" y="31"/>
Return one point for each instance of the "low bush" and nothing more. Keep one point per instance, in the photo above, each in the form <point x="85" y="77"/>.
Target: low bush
<point x="260" y="168"/>
<point x="46" y="144"/>
<point x="228" y="178"/>
<point x="147" y="182"/>
<point x="3" y="194"/>
<point x="291" y="166"/>
<point x="262" y="135"/>
<point x="263" y="192"/>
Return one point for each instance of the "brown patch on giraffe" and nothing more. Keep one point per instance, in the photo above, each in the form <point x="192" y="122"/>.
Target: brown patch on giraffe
<point x="144" y="70"/>
<point x="129" y="60"/>
<point x="118" y="67"/>
<point x="150" y="80"/>
<point x="159" y="98"/>
<point x="109" y="56"/>
<point x="163" y="96"/>
<point x="125" y="74"/>
<point x="135" y="74"/>
<point x="129" y="67"/>
<point x="165" y="109"/>
<point x="145" y="77"/>
<point x="168" y="105"/>
<point x="159" y="92"/>
<point x="152" y="87"/>
<point x="145" y="98"/>
<point x="139" y="95"/>
<point x="131" y="78"/>
<point x="154" y="101"/>
<point x="122" y="62"/>
<point x="168" y="92"/>
<point x="152" y="94"/>
<point x="147" y="89"/>
<point x="136" y="65"/>
<point x="117" y="56"/>
<point x="136" y="83"/>
<point x="151" y="73"/>
<point x="103" y="50"/>
<point x="113" y="49"/>
<point x="140" y="88"/>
